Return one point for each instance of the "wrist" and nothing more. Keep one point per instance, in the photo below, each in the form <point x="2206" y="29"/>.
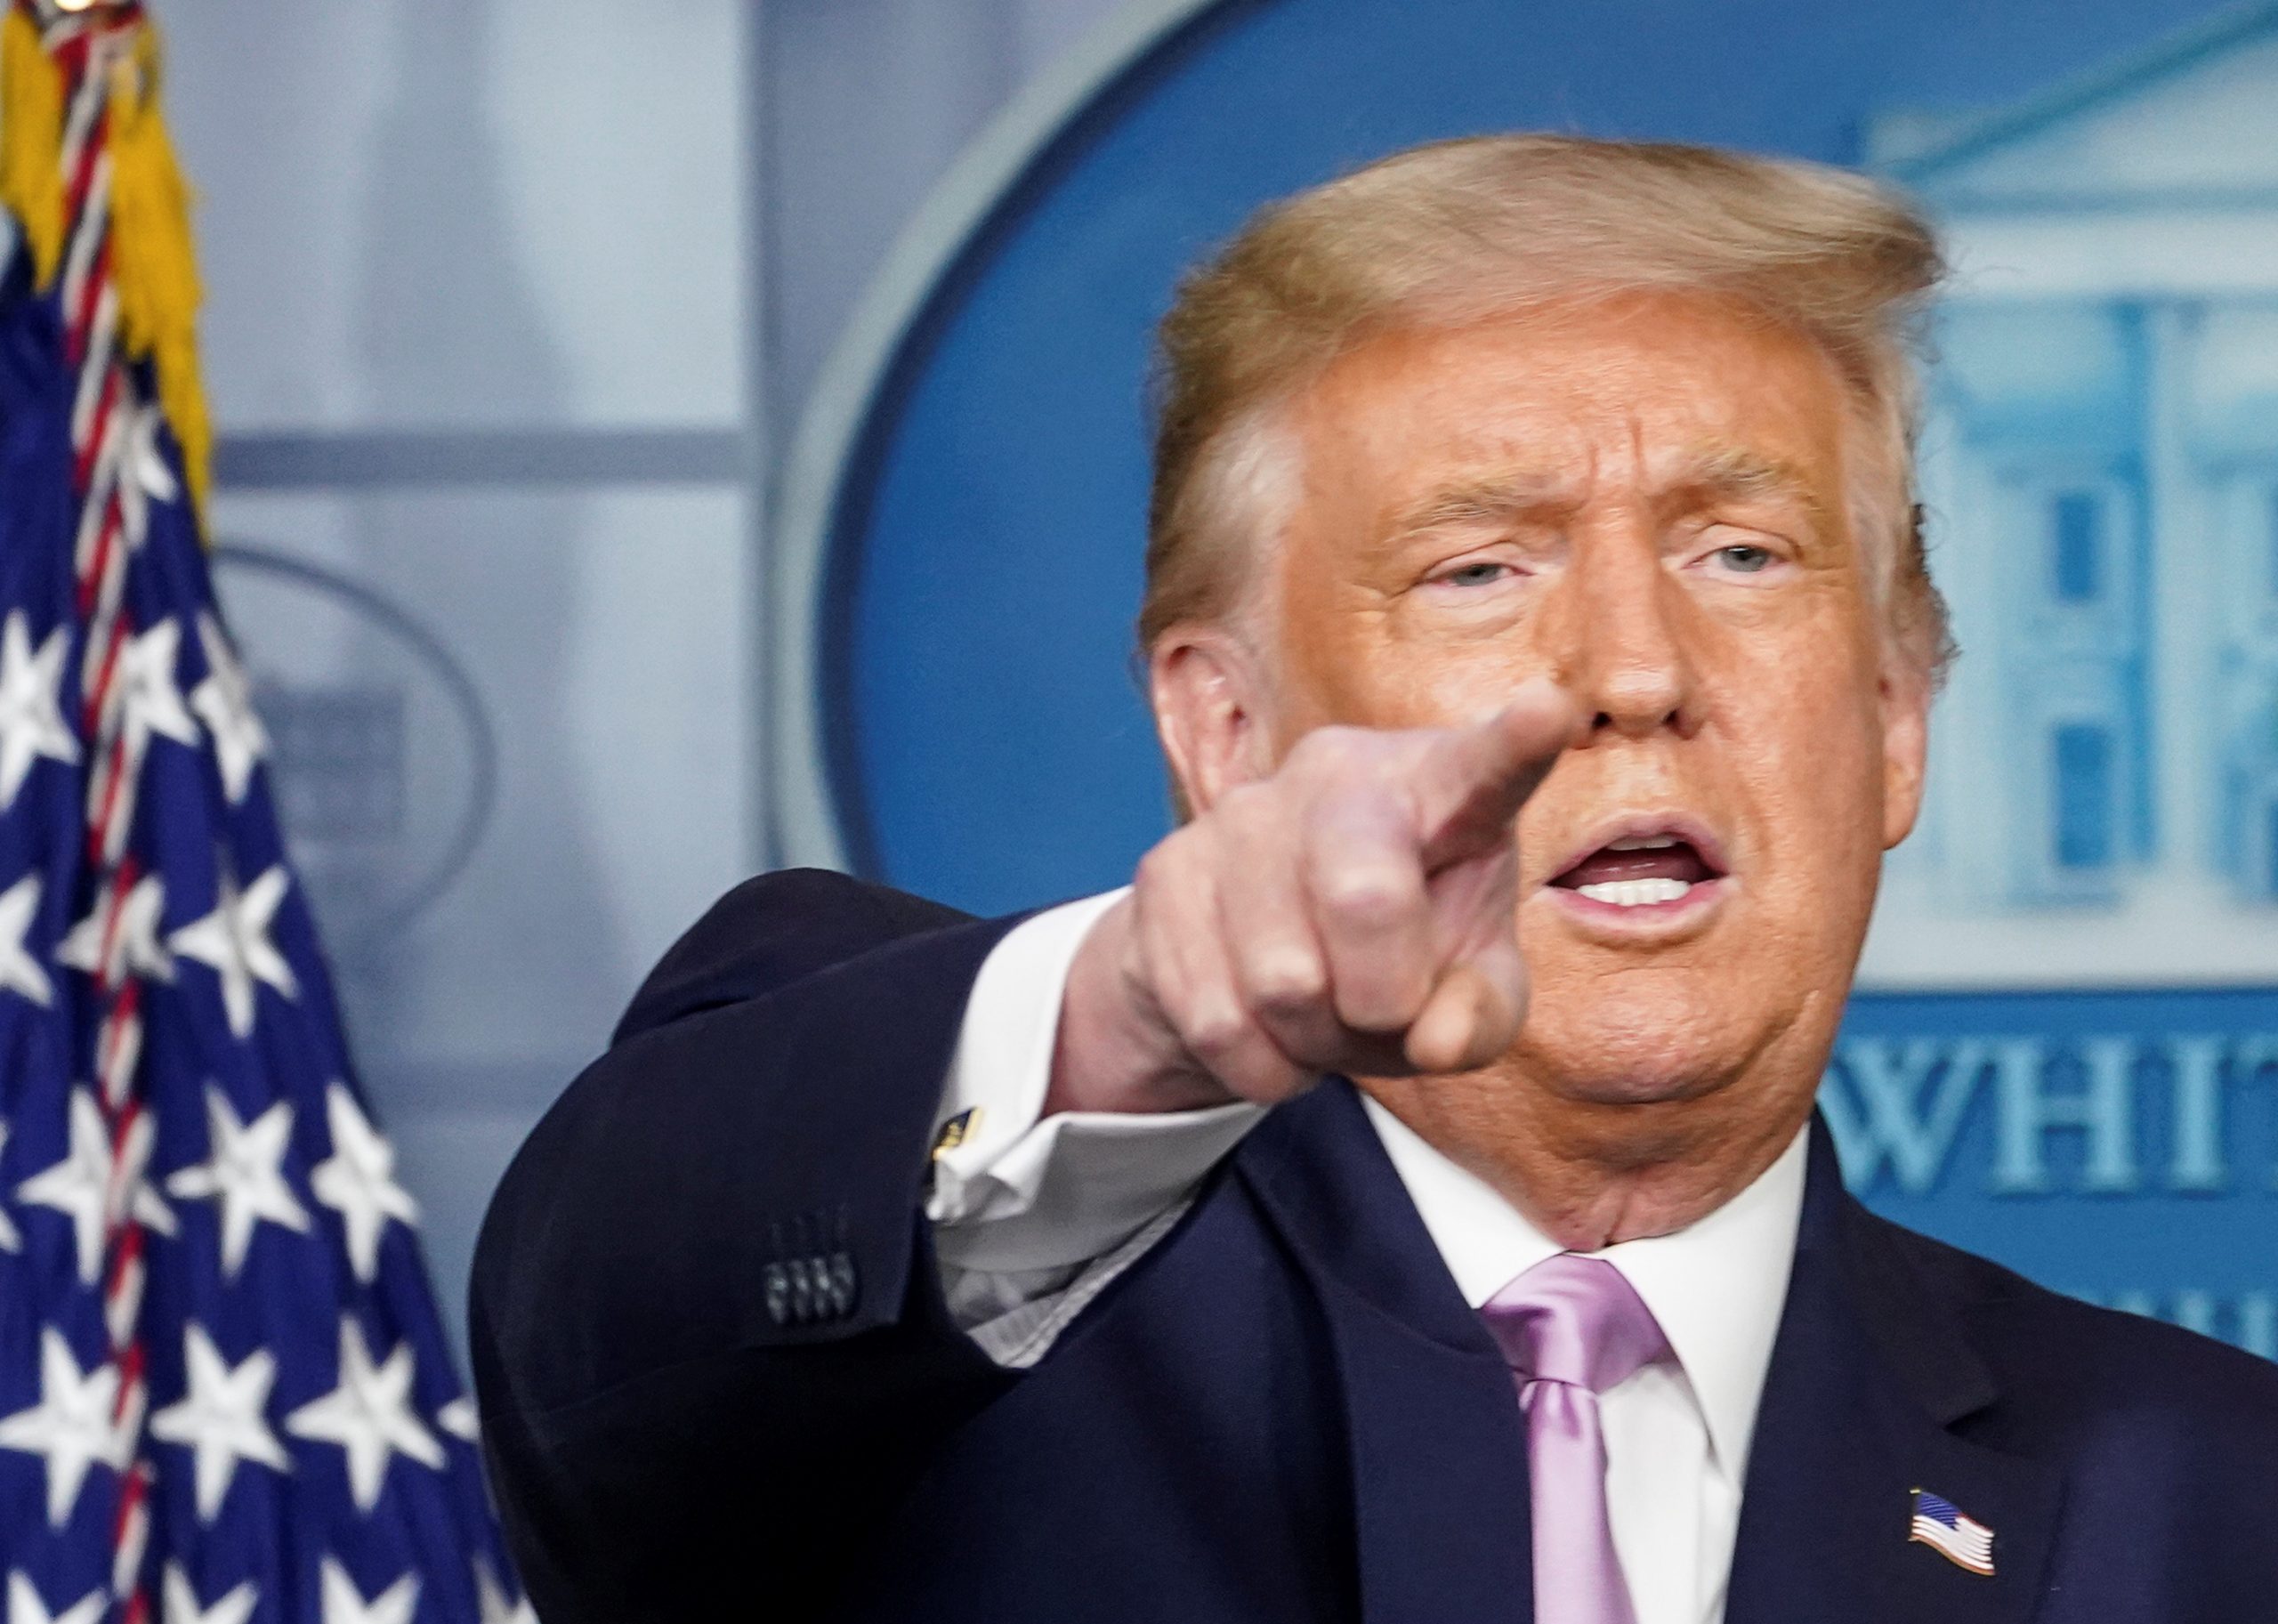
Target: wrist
<point x="1114" y="1050"/>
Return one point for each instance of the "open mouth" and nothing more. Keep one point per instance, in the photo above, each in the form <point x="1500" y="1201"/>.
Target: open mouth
<point x="1653" y="868"/>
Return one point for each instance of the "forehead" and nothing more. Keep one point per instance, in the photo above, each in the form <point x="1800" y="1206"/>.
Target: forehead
<point x="1645" y="389"/>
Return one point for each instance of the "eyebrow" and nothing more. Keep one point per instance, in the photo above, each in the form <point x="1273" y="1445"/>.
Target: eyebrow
<point x="1475" y="501"/>
<point x="1746" y="475"/>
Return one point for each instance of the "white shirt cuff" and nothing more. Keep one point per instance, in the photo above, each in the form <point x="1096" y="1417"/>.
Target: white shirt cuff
<point x="1014" y="1190"/>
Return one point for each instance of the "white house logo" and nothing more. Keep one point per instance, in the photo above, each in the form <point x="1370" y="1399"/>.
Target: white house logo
<point x="2102" y="478"/>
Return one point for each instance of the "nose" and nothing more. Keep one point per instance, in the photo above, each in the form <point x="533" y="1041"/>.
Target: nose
<point x="1628" y="658"/>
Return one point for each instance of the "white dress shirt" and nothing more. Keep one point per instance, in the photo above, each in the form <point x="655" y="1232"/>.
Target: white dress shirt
<point x="1034" y="1217"/>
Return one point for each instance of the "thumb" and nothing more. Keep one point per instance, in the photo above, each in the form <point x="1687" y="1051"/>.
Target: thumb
<point x="1474" y="1013"/>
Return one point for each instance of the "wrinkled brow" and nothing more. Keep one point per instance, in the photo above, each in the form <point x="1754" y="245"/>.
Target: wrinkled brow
<point x="1744" y="476"/>
<point x="1708" y="477"/>
<point x="1486" y="501"/>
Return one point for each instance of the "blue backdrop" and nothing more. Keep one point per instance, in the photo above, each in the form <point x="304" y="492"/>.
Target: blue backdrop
<point x="2100" y="1121"/>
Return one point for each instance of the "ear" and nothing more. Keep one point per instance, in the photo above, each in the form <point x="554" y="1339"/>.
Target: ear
<point x="1905" y="700"/>
<point x="1209" y="713"/>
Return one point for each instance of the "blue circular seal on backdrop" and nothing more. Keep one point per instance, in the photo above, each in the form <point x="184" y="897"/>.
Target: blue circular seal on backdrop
<point x="2071" y="963"/>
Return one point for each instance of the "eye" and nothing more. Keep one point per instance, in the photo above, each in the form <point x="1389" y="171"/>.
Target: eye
<point x="1484" y="572"/>
<point x="1742" y="559"/>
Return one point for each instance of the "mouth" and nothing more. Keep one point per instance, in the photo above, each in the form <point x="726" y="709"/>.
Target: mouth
<point x="1650" y="870"/>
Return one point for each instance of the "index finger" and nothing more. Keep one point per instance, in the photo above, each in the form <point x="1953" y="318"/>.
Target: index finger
<point x="1473" y="779"/>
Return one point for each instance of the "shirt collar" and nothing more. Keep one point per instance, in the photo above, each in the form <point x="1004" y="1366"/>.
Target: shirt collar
<point x="1717" y="1287"/>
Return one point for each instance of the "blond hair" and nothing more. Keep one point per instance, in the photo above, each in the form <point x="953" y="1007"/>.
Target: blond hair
<point x="1464" y="231"/>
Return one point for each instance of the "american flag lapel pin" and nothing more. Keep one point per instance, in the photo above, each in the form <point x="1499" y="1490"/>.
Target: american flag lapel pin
<point x="1940" y="1524"/>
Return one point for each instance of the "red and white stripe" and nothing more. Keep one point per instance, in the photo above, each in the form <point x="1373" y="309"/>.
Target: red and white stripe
<point x="1966" y="1544"/>
<point x="89" y="46"/>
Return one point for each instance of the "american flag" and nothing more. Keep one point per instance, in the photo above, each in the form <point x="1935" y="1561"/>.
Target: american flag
<point x="225" y="1392"/>
<point x="1939" y="1524"/>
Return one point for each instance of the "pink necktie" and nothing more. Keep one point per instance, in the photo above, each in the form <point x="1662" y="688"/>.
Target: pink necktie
<point x="1571" y="1328"/>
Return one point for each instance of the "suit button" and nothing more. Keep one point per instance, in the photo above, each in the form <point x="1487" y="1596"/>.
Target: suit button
<point x="842" y="1293"/>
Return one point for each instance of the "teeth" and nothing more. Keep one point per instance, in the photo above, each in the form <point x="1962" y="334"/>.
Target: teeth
<point x="1634" y="893"/>
<point x="1646" y="843"/>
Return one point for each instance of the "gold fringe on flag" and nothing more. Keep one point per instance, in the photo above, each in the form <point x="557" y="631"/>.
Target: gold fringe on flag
<point x="151" y="258"/>
<point x="31" y="140"/>
<point x="152" y="264"/>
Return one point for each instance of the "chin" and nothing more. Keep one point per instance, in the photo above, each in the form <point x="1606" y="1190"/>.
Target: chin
<point x="1638" y="1050"/>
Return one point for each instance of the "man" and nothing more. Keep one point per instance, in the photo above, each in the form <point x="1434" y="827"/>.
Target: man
<point x="1370" y="1214"/>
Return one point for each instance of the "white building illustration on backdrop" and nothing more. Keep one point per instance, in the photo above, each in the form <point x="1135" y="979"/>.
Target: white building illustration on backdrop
<point x="2101" y="475"/>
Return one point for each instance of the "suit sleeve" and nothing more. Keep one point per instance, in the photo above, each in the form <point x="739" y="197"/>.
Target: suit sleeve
<point x="707" y="1326"/>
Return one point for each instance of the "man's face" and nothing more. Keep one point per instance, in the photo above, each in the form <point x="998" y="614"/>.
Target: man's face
<point x="1645" y="500"/>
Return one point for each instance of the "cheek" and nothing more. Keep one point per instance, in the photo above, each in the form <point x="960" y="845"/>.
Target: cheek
<point x="1382" y="679"/>
<point x="1810" y="751"/>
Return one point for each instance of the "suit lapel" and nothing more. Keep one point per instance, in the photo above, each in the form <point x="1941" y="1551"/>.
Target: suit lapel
<point x="1432" y="1419"/>
<point x="1869" y="1376"/>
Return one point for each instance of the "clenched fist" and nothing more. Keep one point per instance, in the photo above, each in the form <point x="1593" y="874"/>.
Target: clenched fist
<point x="1356" y="913"/>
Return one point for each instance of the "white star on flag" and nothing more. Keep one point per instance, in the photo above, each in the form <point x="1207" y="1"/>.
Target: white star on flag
<point x="234" y="942"/>
<point x="79" y="1186"/>
<point x="368" y="1415"/>
<point x="245" y="1171"/>
<point x="181" y="1604"/>
<point x="120" y="936"/>
<point x="358" y="1181"/>
<point x="223" y="701"/>
<point x="344" y="1604"/>
<point x="458" y="1418"/>
<point x="496" y="1606"/>
<point x="10" y="1240"/>
<point x="147" y="688"/>
<point x="220" y="1420"/>
<point x="25" y="1606"/>
<point x="70" y="1426"/>
<point x="146" y="474"/>
<point x="87" y="1180"/>
<point x="31" y="722"/>
<point x="19" y="972"/>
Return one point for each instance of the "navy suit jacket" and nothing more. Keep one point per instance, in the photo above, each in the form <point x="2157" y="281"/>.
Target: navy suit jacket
<point x="717" y="1373"/>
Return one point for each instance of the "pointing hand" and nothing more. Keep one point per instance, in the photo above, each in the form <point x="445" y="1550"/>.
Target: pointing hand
<point x="1356" y="913"/>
